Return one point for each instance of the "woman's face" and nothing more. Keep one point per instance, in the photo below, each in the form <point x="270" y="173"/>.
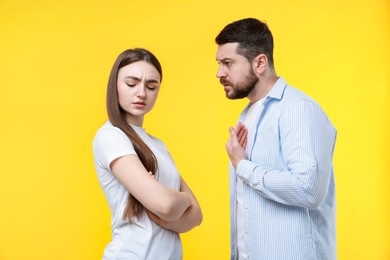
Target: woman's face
<point x="138" y="86"/>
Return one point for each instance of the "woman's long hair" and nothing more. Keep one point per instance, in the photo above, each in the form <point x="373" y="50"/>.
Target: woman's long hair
<point x="117" y="117"/>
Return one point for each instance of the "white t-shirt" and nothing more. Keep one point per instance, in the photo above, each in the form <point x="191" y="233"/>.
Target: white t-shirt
<point x="250" y="123"/>
<point x="142" y="239"/>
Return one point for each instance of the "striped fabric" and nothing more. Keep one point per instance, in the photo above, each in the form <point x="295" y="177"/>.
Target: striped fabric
<point x="289" y="190"/>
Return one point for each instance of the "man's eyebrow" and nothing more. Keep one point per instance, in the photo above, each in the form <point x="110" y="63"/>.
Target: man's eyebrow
<point x="224" y="59"/>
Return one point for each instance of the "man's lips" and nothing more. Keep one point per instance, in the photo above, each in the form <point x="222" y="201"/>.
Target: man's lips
<point x="225" y="83"/>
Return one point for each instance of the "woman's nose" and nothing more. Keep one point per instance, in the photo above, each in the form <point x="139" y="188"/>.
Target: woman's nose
<point x="141" y="91"/>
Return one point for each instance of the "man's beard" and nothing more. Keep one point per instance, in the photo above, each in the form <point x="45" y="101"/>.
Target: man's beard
<point x="241" y="89"/>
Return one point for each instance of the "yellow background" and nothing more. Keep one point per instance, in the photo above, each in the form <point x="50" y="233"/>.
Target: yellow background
<point x="55" y="58"/>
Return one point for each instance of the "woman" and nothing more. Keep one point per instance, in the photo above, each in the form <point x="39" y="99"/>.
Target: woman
<point x="150" y="203"/>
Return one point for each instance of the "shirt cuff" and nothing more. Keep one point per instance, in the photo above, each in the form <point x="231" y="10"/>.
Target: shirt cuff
<point x="246" y="171"/>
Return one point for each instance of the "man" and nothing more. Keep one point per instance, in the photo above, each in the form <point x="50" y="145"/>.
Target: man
<point x="282" y="181"/>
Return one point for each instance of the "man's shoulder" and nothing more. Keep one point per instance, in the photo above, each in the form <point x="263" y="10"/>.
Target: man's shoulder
<point x="293" y="95"/>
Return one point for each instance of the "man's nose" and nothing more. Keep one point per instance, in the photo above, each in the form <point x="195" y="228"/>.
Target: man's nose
<point x="221" y="72"/>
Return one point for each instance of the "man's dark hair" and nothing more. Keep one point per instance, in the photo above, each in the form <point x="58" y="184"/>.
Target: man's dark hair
<point x="253" y="36"/>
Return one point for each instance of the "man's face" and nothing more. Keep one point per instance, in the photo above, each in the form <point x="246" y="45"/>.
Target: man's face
<point x="235" y="72"/>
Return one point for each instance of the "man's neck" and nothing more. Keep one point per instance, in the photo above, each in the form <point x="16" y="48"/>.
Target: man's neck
<point x="262" y="88"/>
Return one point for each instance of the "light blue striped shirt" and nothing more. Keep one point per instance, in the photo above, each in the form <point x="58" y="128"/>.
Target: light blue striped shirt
<point x="289" y="190"/>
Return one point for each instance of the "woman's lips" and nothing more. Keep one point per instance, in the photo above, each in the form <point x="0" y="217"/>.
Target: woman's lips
<point x="139" y="104"/>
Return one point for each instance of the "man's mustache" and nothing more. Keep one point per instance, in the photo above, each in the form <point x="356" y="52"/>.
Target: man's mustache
<point x="224" y="81"/>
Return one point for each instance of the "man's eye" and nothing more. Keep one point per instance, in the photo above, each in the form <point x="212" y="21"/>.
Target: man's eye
<point x="226" y="63"/>
<point x="151" y="88"/>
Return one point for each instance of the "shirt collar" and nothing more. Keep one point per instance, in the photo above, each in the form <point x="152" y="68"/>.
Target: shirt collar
<point x="276" y="92"/>
<point x="278" y="89"/>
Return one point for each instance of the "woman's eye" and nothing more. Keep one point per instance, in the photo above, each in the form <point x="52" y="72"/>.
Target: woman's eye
<point x="130" y="85"/>
<point x="151" y="88"/>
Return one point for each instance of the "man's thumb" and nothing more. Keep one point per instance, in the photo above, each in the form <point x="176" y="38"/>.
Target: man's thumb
<point x="233" y="133"/>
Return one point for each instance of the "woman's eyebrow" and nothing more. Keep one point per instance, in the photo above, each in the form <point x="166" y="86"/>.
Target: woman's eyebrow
<point x="138" y="79"/>
<point x="132" y="77"/>
<point x="152" y="81"/>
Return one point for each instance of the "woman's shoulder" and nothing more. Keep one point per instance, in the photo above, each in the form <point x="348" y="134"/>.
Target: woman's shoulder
<point x="108" y="127"/>
<point x="156" y="139"/>
<point x="145" y="134"/>
<point x="108" y="131"/>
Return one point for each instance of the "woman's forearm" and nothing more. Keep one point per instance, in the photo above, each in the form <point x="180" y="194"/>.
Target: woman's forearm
<point x="173" y="204"/>
<point x="190" y="218"/>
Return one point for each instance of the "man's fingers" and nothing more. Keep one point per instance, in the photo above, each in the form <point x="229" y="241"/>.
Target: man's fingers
<point x="242" y="133"/>
<point x="245" y="143"/>
<point x="243" y="136"/>
<point x="234" y="141"/>
<point x="232" y="131"/>
<point x="237" y="139"/>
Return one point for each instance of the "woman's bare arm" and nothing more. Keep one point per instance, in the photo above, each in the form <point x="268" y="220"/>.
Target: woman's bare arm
<point x="191" y="218"/>
<point x="168" y="204"/>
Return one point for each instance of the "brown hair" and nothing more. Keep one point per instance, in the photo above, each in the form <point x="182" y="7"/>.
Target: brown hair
<point x="253" y="36"/>
<point x="117" y="117"/>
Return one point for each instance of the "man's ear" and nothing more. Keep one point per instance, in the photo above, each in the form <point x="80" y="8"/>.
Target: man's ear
<point x="260" y="63"/>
